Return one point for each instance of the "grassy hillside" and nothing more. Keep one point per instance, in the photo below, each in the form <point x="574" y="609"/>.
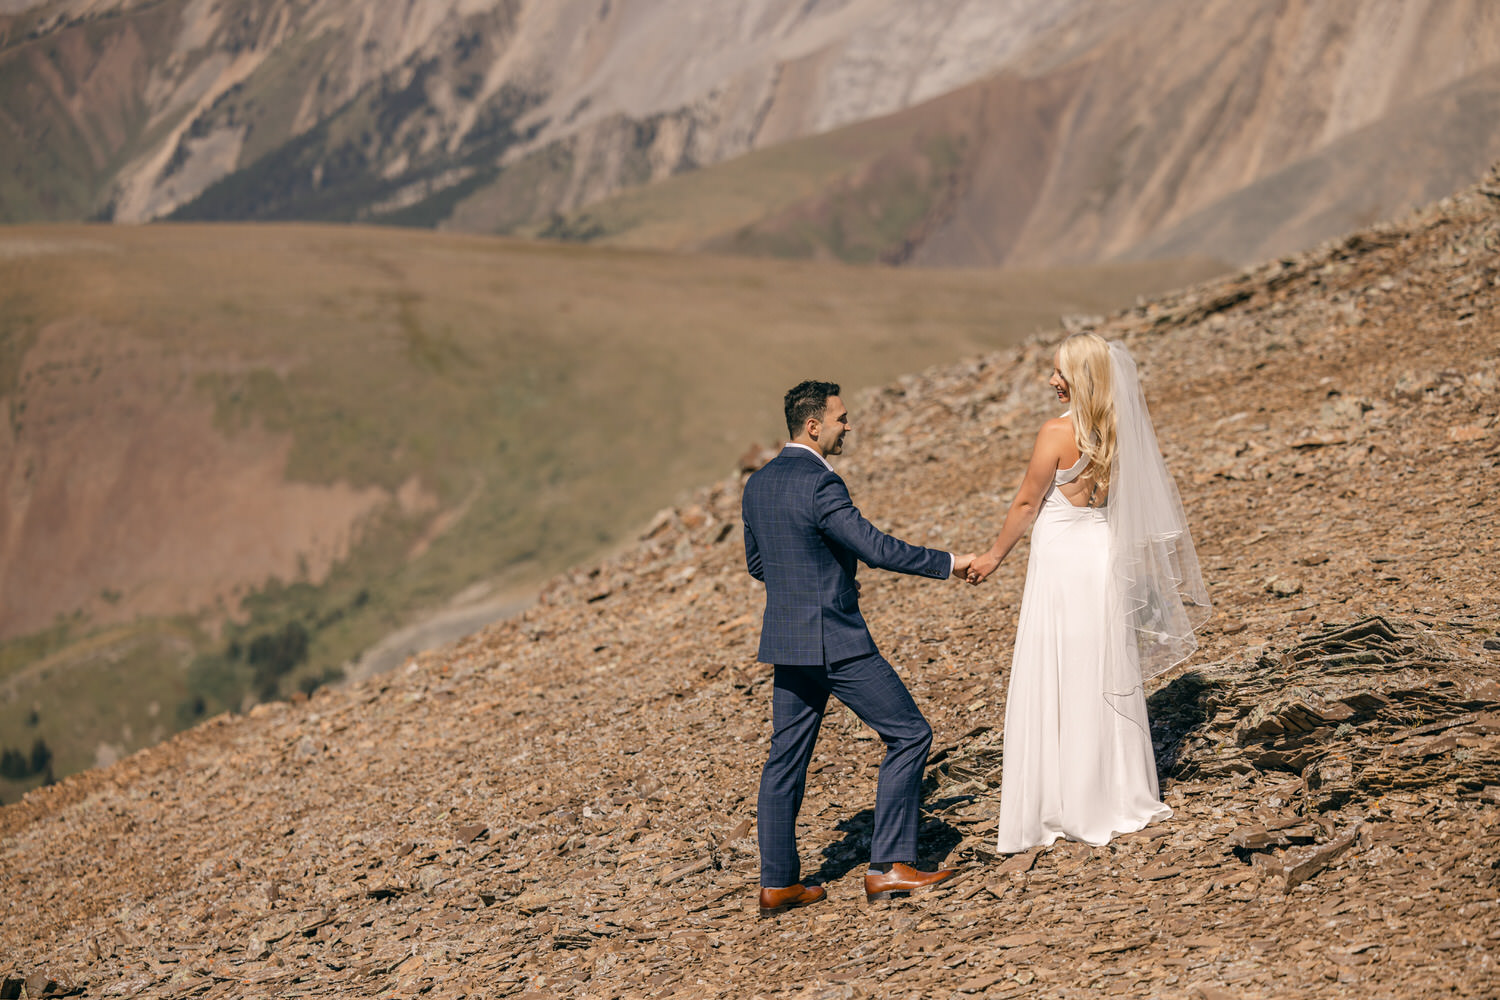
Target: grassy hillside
<point x="857" y="193"/>
<point x="236" y="456"/>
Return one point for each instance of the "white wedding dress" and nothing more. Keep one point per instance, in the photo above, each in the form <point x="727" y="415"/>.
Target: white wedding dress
<point x="1078" y="759"/>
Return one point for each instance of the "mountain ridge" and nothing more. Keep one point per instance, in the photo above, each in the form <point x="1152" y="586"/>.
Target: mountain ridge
<point x="1148" y="126"/>
<point x="1238" y="140"/>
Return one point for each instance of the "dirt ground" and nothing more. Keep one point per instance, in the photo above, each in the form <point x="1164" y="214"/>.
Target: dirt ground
<point x="563" y="804"/>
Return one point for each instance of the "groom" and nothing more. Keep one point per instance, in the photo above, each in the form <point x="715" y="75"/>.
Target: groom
<point x="803" y="536"/>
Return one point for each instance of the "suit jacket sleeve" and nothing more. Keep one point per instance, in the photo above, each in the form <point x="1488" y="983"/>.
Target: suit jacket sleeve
<point x="841" y="521"/>
<point x="752" y="555"/>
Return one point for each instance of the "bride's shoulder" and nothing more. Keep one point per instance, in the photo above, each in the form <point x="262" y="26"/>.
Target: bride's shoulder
<point x="1055" y="438"/>
<point x="1057" y="426"/>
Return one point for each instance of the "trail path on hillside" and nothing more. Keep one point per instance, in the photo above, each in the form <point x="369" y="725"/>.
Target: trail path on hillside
<point x="562" y="805"/>
<point x="433" y="631"/>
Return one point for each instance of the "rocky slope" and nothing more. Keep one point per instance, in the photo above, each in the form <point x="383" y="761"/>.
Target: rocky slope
<point x="564" y="804"/>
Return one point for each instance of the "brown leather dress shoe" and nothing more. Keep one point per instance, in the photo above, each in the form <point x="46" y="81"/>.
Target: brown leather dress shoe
<point x="902" y="880"/>
<point x="774" y="901"/>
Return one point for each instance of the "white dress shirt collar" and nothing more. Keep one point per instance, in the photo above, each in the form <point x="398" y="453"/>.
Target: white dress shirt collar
<point x="814" y="451"/>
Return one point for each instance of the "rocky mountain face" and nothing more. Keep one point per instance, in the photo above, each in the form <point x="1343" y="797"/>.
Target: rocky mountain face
<point x="342" y="109"/>
<point x="1237" y="131"/>
<point x="1098" y="128"/>
<point x="563" y="804"/>
<point x="1243" y="131"/>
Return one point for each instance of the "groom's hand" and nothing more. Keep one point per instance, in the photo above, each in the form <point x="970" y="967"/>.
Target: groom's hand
<point x="961" y="565"/>
<point x="981" y="567"/>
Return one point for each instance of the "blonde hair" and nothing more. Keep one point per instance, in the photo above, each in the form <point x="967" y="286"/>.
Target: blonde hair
<point x="1083" y="362"/>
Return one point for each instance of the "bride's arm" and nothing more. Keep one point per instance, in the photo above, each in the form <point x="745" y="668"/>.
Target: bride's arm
<point x="1054" y="439"/>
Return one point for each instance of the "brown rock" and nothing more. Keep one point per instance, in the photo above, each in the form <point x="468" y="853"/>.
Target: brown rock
<point x="1301" y="864"/>
<point x="531" y="902"/>
<point x="1255" y="838"/>
<point x="42" y="985"/>
<point x="1018" y="863"/>
<point x="471" y="832"/>
<point x="1283" y="586"/>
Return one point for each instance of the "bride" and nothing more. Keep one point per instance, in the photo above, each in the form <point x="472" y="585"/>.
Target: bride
<point x="1113" y="594"/>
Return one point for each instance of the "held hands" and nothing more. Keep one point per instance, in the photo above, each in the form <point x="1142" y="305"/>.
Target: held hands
<point x="961" y="565"/>
<point x="980" y="567"/>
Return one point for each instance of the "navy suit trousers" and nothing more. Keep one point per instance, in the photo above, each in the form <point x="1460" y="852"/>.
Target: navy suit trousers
<point x="870" y="687"/>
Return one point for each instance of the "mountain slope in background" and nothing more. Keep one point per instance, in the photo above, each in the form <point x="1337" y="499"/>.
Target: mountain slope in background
<point x="341" y="109"/>
<point x="1237" y="131"/>
<point x="1096" y="130"/>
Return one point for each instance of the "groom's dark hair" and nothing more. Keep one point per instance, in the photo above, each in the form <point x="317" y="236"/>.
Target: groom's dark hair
<point x="807" y="399"/>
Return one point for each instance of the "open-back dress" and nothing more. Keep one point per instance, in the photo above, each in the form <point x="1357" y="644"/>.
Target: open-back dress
<point x="1078" y="758"/>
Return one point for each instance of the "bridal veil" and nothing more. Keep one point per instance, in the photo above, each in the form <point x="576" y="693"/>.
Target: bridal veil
<point x="1154" y="567"/>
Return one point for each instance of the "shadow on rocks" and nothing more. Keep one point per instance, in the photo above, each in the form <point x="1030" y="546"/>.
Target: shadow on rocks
<point x="1177" y="711"/>
<point x="936" y="840"/>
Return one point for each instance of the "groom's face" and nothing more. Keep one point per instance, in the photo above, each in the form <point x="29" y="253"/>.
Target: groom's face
<point x="832" y="428"/>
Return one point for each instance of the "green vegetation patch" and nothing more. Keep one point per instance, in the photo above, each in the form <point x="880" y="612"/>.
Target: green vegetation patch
<point x="874" y="216"/>
<point x="103" y="695"/>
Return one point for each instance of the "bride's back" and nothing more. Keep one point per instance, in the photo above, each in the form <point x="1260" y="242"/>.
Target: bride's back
<point x="1084" y="489"/>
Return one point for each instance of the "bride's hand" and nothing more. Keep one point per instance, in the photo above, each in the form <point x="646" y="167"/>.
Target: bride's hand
<point x="982" y="567"/>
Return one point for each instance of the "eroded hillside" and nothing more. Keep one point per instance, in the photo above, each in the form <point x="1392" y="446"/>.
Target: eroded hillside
<point x="1019" y="133"/>
<point x="338" y="109"/>
<point x="1237" y="131"/>
<point x="563" y="804"/>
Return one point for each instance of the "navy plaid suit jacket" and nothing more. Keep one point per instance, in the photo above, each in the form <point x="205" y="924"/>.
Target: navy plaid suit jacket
<point x="804" y="539"/>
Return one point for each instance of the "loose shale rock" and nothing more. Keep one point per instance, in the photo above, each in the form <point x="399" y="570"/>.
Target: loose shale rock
<point x="563" y="804"/>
